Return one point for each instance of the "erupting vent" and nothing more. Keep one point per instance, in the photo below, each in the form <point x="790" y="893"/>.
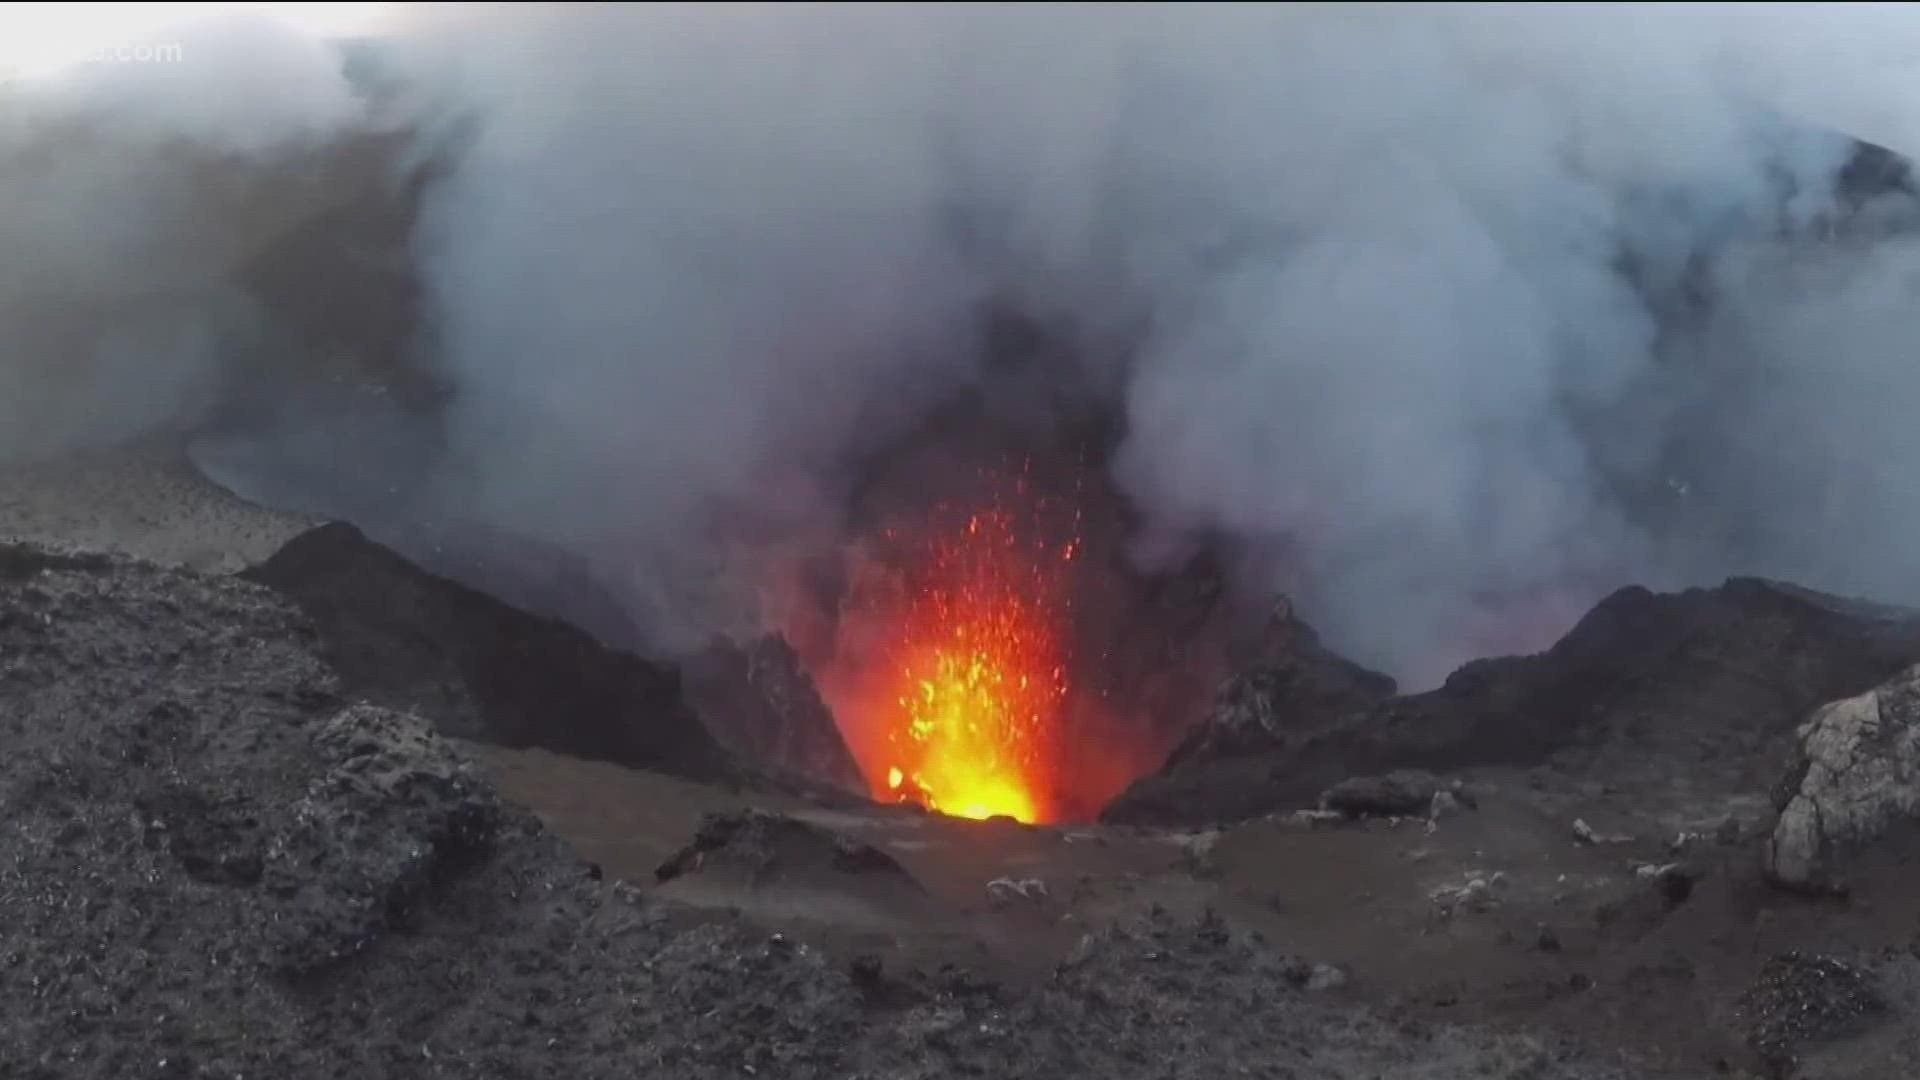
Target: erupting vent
<point x="972" y="726"/>
<point x="985" y="642"/>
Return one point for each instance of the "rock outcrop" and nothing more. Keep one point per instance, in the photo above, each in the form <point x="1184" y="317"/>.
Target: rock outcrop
<point x="1400" y="793"/>
<point x="1709" y="681"/>
<point x="480" y="669"/>
<point x="1294" y="685"/>
<point x="1856" y="776"/>
<point x="1706" y="678"/>
<point x="764" y="848"/>
<point x="395" y="814"/>
<point x="760" y="703"/>
<point x="1293" y="688"/>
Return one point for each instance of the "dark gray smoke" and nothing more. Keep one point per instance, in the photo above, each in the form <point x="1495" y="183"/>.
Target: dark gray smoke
<point x="131" y="193"/>
<point x="1449" y="318"/>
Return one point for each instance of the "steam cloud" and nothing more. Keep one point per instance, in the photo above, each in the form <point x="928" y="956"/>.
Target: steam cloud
<point x="127" y="206"/>
<point x="1451" y="319"/>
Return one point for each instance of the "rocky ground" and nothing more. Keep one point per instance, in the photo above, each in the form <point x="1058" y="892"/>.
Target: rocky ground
<point x="291" y="823"/>
<point x="214" y="865"/>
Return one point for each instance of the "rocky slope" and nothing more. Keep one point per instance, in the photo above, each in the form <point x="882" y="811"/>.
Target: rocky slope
<point x="759" y="702"/>
<point x="216" y="865"/>
<point x="1716" y="679"/>
<point x="480" y="668"/>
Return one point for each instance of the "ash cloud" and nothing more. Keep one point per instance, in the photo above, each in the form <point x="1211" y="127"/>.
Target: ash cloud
<point x="132" y="191"/>
<point x="1447" y="319"/>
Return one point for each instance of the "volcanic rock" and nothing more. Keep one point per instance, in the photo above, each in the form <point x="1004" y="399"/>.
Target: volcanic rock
<point x="1294" y="687"/>
<point x="1295" y="684"/>
<point x="1709" y="681"/>
<point x="767" y="847"/>
<point x="1857" y="774"/>
<point x="1397" y="794"/>
<point x="396" y="814"/>
<point x="1003" y="891"/>
<point x="760" y="703"/>
<point x="1587" y="834"/>
<point x="1798" y="999"/>
<point x="1707" y="678"/>
<point x="1476" y="893"/>
<point x="1672" y="882"/>
<point x="478" y="668"/>
<point x="209" y="864"/>
<point x="1326" y="977"/>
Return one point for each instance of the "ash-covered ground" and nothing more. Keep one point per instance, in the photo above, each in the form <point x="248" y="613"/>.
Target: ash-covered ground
<point x="332" y="816"/>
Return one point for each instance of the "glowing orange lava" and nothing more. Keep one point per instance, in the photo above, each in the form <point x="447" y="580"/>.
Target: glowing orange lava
<point x="971" y="728"/>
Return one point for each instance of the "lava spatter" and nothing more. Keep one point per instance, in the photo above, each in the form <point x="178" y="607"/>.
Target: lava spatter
<point x="972" y="727"/>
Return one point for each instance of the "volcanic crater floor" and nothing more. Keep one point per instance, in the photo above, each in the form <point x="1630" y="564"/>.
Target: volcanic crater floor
<point x="1562" y="937"/>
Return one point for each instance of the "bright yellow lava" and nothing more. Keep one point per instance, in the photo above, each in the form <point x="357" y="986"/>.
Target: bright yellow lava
<point x="982" y="682"/>
<point x="968" y="732"/>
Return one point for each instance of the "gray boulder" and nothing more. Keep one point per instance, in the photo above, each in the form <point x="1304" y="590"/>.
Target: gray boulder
<point x="1857" y="775"/>
<point x="1402" y="793"/>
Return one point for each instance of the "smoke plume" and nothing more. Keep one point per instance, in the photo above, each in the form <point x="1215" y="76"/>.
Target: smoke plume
<point x="1446" y="319"/>
<point x="132" y="192"/>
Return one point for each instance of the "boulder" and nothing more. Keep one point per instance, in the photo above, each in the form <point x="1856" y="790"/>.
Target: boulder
<point x="395" y="814"/>
<point x="766" y="843"/>
<point x="1403" y="793"/>
<point x="1857" y="774"/>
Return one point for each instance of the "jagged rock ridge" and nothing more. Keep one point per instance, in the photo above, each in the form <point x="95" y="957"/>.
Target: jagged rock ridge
<point x="1712" y="678"/>
<point x="760" y="703"/>
<point x="479" y="668"/>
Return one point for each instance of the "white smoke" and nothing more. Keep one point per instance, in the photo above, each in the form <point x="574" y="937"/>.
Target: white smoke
<point x="1398" y="293"/>
<point x="1364" y="268"/>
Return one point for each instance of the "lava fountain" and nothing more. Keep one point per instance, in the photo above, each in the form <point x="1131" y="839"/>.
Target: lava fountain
<point x="987" y="643"/>
<point x="968" y="711"/>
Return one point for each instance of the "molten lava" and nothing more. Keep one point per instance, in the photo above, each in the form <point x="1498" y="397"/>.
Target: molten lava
<point x="972" y="727"/>
<point x="987" y="644"/>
